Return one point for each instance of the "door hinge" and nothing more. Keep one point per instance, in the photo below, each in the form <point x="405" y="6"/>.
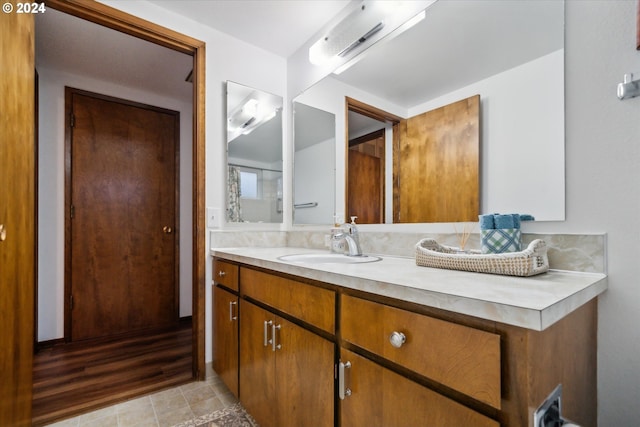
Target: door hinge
<point x="72" y="120"/>
<point x="71" y="302"/>
<point x="72" y="211"/>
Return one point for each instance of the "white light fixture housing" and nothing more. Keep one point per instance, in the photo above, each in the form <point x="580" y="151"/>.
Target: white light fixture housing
<point x="404" y="27"/>
<point x="348" y="34"/>
<point x="370" y="22"/>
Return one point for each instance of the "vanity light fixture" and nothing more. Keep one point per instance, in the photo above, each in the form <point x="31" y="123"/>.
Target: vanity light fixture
<point x="401" y="29"/>
<point x="350" y="33"/>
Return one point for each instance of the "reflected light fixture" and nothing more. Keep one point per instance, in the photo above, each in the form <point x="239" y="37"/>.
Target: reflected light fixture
<point x="251" y="114"/>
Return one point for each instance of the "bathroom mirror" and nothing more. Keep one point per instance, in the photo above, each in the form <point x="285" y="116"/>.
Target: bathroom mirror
<point x="512" y="55"/>
<point x="254" y="155"/>
<point x="314" y="167"/>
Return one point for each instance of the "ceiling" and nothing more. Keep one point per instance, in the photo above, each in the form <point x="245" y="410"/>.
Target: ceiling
<point x="76" y="46"/>
<point x="278" y="26"/>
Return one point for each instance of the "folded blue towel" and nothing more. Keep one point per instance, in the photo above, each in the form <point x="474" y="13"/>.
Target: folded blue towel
<point x="526" y="217"/>
<point x="486" y="222"/>
<point x="503" y="221"/>
<point x="516" y="221"/>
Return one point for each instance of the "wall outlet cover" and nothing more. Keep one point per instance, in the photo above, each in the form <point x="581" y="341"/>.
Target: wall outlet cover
<point x="214" y="217"/>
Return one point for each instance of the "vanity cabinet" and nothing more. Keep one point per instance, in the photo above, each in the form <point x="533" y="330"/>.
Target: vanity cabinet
<point x="286" y="370"/>
<point x="225" y="337"/>
<point x="313" y="353"/>
<point x="381" y="397"/>
<point x="225" y="323"/>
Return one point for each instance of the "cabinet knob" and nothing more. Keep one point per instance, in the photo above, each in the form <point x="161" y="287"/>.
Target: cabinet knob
<point x="397" y="339"/>
<point x="221" y="273"/>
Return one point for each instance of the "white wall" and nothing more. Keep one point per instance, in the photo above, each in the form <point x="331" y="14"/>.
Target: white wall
<point x="310" y="163"/>
<point x="603" y="172"/>
<point x="51" y="190"/>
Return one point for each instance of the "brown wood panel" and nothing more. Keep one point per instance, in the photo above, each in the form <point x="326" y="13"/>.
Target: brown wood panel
<point x="226" y="274"/>
<point x="122" y="227"/>
<point x="70" y="379"/>
<point x="463" y="358"/>
<point x="380" y="397"/>
<point x="536" y="362"/>
<point x="365" y="188"/>
<point x="17" y="206"/>
<point x="308" y="303"/>
<point x="304" y="375"/>
<point x="225" y="337"/>
<point x="439" y="165"/>
<point x="257" y="366"/>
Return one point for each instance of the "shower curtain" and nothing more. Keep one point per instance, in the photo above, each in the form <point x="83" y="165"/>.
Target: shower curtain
<point x="234" y="210"/>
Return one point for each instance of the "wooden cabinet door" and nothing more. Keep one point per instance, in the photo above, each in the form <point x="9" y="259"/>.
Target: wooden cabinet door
<point x="17" y="215"/>
<point x="380" y="397"/>
<point x="225" y="337"/>
<point x="305" y="377"/>
<point x="257" y="365"/>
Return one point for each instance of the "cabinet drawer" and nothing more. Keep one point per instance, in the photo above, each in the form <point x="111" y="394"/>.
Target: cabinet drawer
<point x="460" y="357"/>
<point x="308" y="303"/>
<point x="225" y="274"/>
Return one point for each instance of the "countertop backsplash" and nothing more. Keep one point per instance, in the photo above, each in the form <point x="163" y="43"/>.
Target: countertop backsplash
<point x="572" y="252"/>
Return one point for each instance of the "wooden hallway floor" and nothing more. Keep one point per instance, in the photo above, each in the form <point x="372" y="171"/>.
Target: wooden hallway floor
<point x="76" y="378"/>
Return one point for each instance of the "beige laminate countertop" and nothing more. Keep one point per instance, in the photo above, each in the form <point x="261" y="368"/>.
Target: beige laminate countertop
<point x="530" y="302"/>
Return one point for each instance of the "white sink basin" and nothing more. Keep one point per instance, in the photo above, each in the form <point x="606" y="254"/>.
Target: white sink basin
<point x="329" y="258"/>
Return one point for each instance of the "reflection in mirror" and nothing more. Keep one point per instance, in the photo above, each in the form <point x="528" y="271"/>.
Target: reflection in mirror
<point x="512" y="55"/>
<point x="254" y="155"/>
<point x="313" y="164"/>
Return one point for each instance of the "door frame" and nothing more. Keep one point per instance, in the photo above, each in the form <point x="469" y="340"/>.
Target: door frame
<point x="107" y="16"/>
<point x="380" y="115"/>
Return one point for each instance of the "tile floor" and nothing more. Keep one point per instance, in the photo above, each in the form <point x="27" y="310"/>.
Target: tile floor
<point x="165" y="408"/>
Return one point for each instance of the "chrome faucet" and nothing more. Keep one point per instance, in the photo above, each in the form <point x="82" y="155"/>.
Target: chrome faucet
<point x="351" y="237"/>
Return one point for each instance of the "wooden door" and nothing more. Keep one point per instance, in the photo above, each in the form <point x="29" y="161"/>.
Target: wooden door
<point x="438" y="168"/>
<point x="305" y="377"/>
<point x="365" y="178"/>
<point x="17" y="230"/>
<point x="225" y="337"/>
<point x="380" y="397"/>
<point x="121" y="227"/>
<point x="257" y="365"/>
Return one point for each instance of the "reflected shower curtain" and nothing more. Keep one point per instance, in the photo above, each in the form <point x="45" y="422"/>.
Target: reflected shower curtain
<point x="234" y="210"/>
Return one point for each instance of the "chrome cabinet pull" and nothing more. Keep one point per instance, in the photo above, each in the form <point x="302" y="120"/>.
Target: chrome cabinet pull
<point x="397" y="339"/>
<point x="275" y="346"/>
<point x="266" y="332"/>
<point x="231" y="316"/>
<point x="343" y="391"/>
<point x="221" y="273"/>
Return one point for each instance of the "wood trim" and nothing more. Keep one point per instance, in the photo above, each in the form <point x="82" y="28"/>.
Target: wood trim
<point x="137" y="27"/>
<point x="366" y="138"/>
<point x="376" y="114"/>
<point x="371" y="111"/>
<point x="115" y="19"/>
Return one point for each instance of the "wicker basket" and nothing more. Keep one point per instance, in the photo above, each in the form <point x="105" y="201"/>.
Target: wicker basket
<point x="529" y="262"/>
